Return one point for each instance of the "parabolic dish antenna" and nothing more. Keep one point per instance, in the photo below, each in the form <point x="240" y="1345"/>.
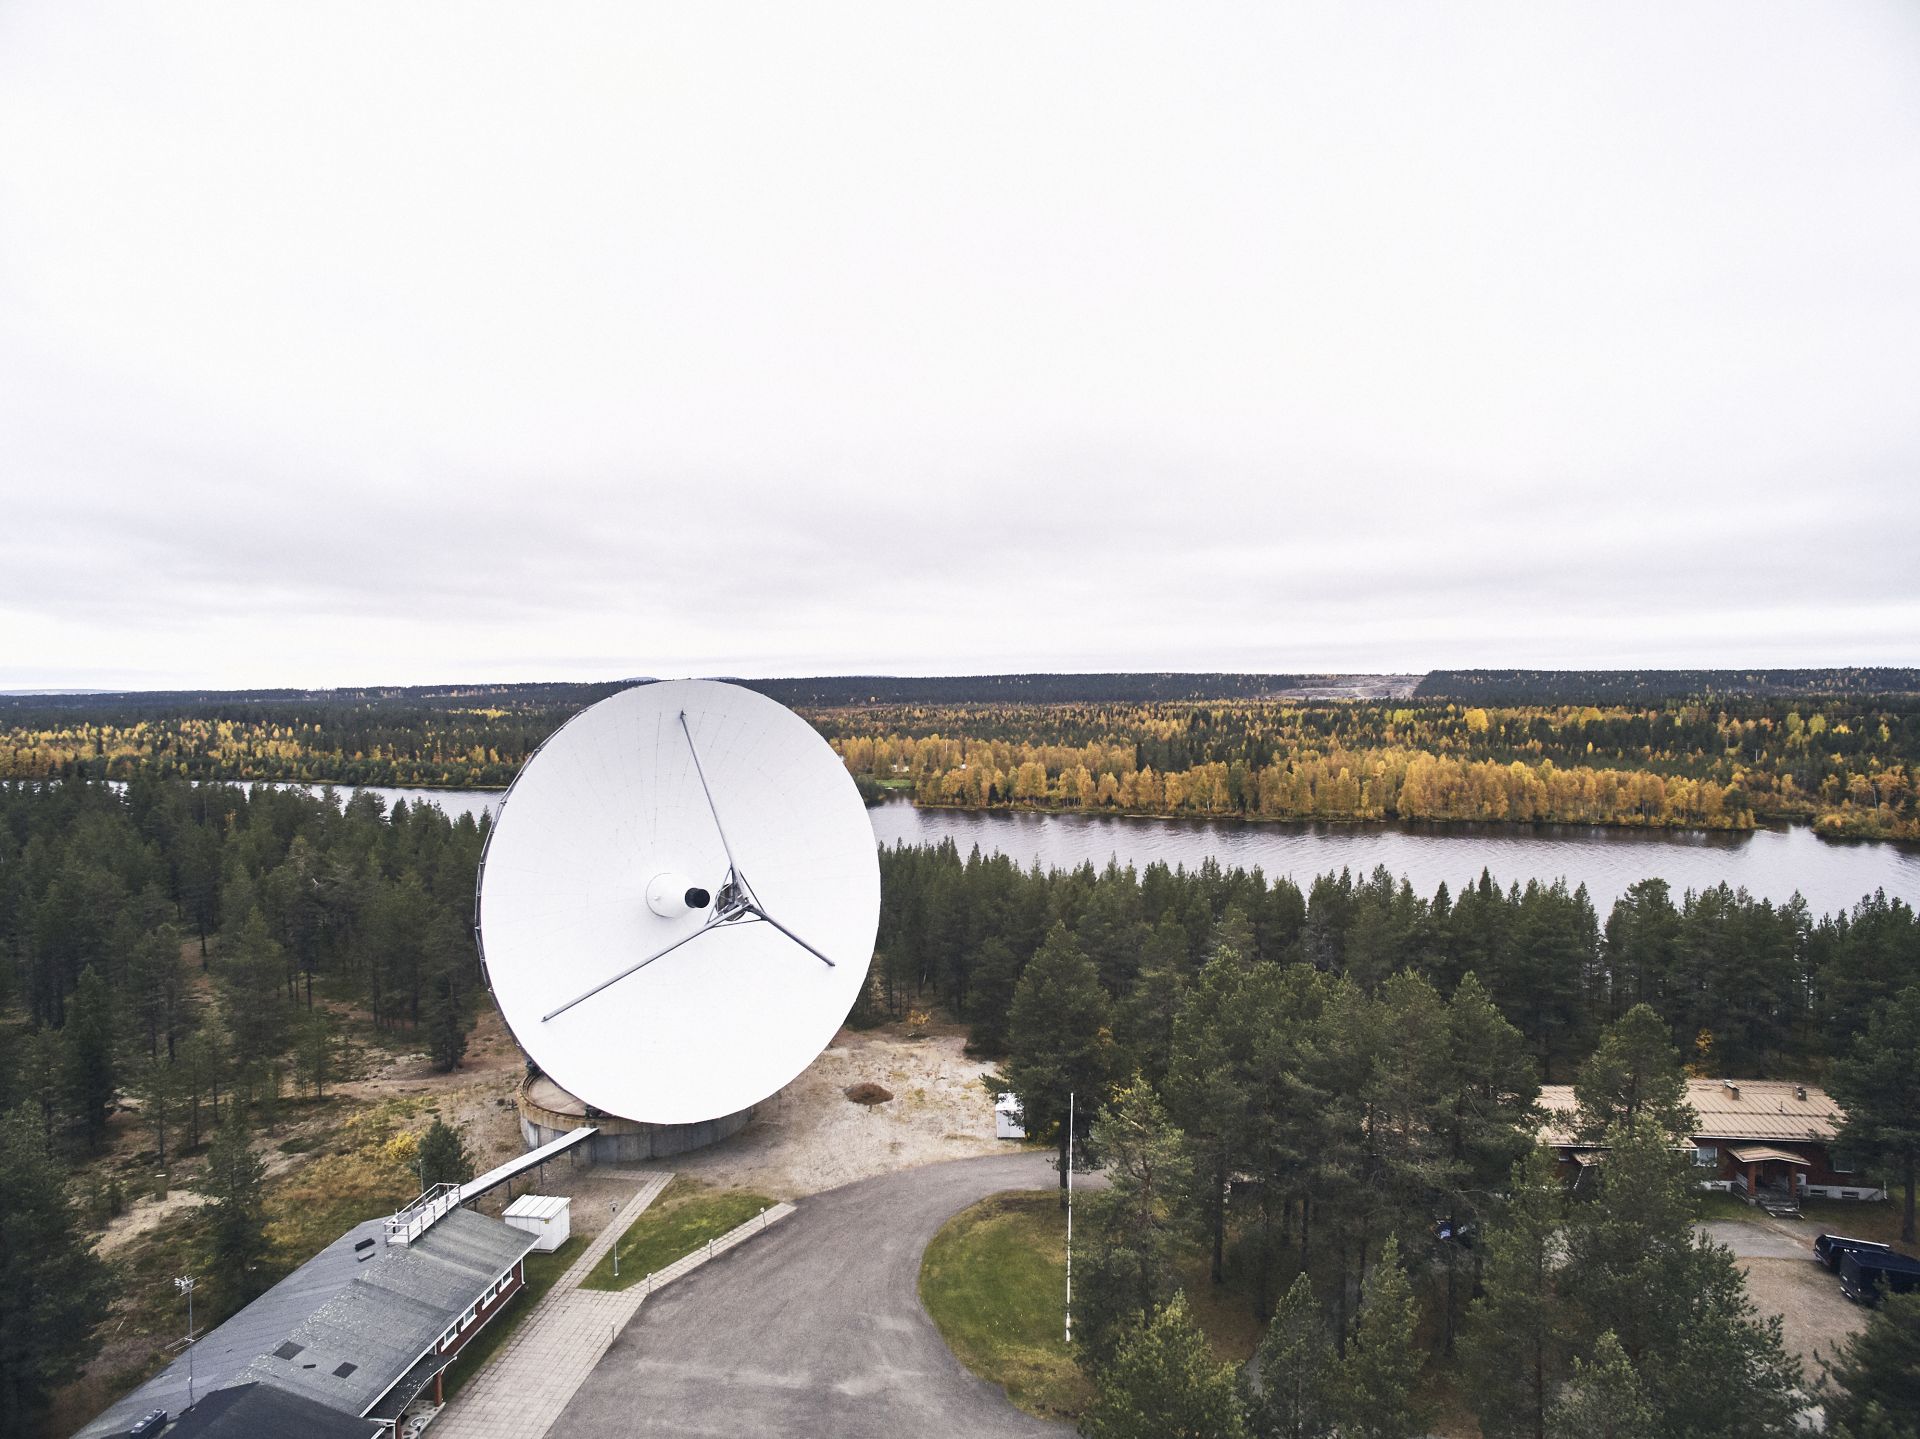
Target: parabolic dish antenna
<point x="678" y="901"/>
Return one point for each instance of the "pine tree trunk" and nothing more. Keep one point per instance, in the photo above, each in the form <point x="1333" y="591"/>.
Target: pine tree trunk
<point x="1340" y="1297"/>
<point x="1218" y="1271"/>
<point x="1906" y="1219"/>
<point x="1539" y="1388"/>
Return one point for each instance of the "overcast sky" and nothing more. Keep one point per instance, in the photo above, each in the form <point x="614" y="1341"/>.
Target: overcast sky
<point x="409" y="343"/>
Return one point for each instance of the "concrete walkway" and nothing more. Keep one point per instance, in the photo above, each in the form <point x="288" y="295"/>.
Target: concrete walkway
<point x="535" y="1373"/>
<point x="529" y="1380"/>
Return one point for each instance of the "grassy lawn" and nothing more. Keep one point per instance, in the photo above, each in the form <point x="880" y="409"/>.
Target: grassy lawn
<point x="682" y="1219"/>
<point x="1716" y="1205"/>
<point x="542" y="1271"/>
<point x="994" y="1281"/>
<point x="1863" y="1219"/>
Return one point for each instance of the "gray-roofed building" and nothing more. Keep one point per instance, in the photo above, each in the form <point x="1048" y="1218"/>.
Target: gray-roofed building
<point x="223" y="1353"/>
<point x="259" y="1411"/>
<point x="359" y="1330"/>
<point x="417" y="1302"/>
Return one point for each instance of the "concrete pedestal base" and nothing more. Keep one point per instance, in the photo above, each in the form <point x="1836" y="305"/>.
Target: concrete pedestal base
<point x="548" y="1112"/>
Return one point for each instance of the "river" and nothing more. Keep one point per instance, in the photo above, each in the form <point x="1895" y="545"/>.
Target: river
<point x="1770" y="863"/>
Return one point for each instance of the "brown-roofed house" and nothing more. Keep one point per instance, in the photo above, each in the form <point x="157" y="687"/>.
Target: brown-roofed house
<point x="1769" y="1141"/>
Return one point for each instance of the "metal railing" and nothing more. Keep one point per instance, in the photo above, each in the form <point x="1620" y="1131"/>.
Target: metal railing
<point x="410" y="1223"/>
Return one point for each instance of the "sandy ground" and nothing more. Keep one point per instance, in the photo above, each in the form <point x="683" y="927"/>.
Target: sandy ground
<point x="141" y="1216"/>
<point x="1814" y="1317"/>
<point x="1783" y="1278"/>
<point x="808" y="1138"/>
<point x="811" y="1137"/>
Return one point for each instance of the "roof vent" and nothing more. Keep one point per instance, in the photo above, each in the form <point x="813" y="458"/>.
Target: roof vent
<point x="1800" y="1091"/>
<point x="1733" y="1090"/>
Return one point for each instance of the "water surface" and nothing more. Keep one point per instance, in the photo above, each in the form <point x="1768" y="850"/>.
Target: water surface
<point x="1771" y="864"/>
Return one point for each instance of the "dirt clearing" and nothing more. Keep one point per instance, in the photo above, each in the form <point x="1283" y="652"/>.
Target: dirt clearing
<point x="809" y="1137"/>
<point x="1784" y="1279"/>
<point x="1815" y="1317"/>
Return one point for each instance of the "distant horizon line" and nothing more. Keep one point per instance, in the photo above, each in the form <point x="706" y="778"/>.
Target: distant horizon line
<point x="1283" y="678"/>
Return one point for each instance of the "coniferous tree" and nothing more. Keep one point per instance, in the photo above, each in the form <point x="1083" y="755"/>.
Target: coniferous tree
<point x="162" y="1009"/>
<point x="443" y="1156"/>
<point x="1164" y="1383"/>
<point x="444" y="1017"/>
<point x="1674" y="1300"/>
<point x="1382" y="1363"/>
<point x="1880" y="1367"/>
<point x="1514" y="1342"/>
<point x="1134" y="1227"/>
<point x="1633" y="1072"/>
<point x="1604" y="1399"/>
<point x="252" y="971"/>
<point x="236" y="1230"/>
<point x="1878" y="1080"/>
<point x="1483" y="1115"/>
<point x="203" y="1068"/>
<point x="1145" y="1017"/>
<point x="1640" y="934"/>
<point x="1060" y="1041"/>
<point x="1627" y="1246"/>
<point x="156" y="1084"/>
<point x="1297" y="1371"/>
<point x="996" y="972"/>
<point x="88" y="1045"/>
<point x="316" y="1046"/>
<point x="43" y="1079"/>
<point x="1210" y="1084"/>
<point x="53" y="1289"/>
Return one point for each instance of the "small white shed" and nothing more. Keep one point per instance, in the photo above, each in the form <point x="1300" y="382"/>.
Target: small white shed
<point x="547" y="1218"/>
<point x="1008" y="1121"/>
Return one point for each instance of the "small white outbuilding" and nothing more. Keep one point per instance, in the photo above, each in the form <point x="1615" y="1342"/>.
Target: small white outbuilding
<point x="1008" y="1121"/>
<point x="548" y="1218"/>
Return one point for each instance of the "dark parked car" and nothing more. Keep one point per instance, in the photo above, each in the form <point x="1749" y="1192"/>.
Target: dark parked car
<point x="1829" y="1248"/>
<point x="1865" y="1275"/>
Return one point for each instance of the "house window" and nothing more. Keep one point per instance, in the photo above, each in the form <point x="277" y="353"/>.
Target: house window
<point x="1706" y="1156"/>
<point x="467" y="1318"/>
<point x="1839" y="1161"/>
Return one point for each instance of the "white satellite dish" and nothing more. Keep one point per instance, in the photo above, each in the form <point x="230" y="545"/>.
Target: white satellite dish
<point x="678" y="901"/>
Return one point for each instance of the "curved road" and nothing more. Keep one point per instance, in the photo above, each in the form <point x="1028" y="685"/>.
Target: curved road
<point x="813" y="1330"/>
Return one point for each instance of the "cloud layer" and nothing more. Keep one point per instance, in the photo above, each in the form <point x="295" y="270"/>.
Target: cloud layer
<point x="462" y="342"/>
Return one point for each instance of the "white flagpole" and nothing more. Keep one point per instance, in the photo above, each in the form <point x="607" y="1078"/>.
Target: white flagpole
<point x="1069" y="1218"/>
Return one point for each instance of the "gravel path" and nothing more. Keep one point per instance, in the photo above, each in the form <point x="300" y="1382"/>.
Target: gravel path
<point x="814" y="1331"/>
<point x="1783" y="1278"/>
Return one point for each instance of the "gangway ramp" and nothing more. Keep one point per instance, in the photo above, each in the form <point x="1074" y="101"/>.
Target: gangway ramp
<point x="532" y="1159"/>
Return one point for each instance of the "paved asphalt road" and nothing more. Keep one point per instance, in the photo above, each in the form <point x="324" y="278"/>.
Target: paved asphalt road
<point x="813" y="1331"/>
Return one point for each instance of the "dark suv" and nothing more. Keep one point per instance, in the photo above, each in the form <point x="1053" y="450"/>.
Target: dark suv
<point x="1830" y="1248"/>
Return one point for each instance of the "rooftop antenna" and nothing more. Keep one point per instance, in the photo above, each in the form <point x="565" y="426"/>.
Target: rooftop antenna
<point x="185" y="1285"/>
